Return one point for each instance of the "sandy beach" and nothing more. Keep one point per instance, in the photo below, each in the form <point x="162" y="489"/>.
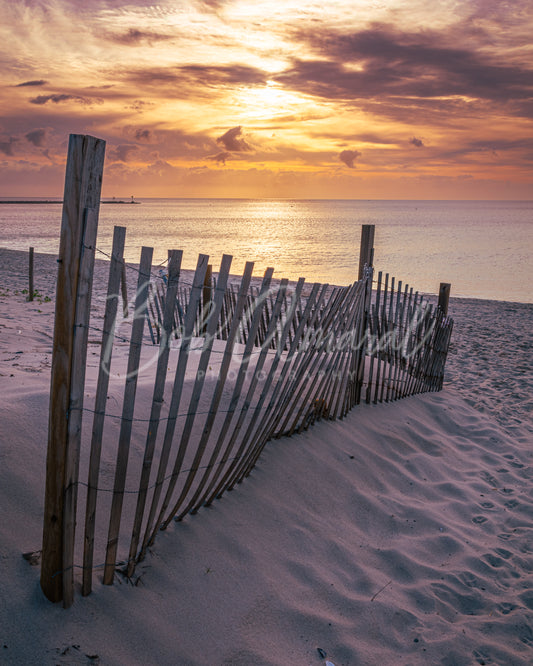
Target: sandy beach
<point x="402" y="534"/>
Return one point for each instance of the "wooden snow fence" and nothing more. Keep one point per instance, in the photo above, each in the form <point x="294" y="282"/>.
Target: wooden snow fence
<point x="183" y="394"/>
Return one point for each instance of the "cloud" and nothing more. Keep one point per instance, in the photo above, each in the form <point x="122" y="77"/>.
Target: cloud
<point x="39" y="82"/>
<point x="231" y="140"/>
<point x="6" y="147"/>
<point x="143" y="134"/>
<point x="382" y="63"/>
<point x="220" y="157"/>
<point x="349" y="157"/>
<point x="198" y="78"/>
<point x="63" y="97"/>
<point x="122" y="152"/>
<point x="416" y="142"/>
<point x="134" y="37"/>
<point x="36" y="137"/>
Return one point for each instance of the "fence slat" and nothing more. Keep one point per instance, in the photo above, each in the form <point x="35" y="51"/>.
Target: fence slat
<point x="241" y="375"/>
<point x="174" y="266"/>
<point x="248" y="439"/>
<point x="130" y="389"/>
<point x="79" y="362"/>
<point x="83" y="181"/>
<point x="274" y="315"/>
<point x="115" y="271"/>
<point x="265" y="428"/>
<point x="177" y="389"/>
<point x="30" y="275"/>
<point x="221" y="381"/>
<point x="211" y="324"/>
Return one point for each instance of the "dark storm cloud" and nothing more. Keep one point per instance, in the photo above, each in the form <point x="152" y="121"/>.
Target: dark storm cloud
<point x="63" y="97"/>
<point x="39" y="82"/>
<point x="36" y="137"/>
<point x="349" y="157"/>
<point x="382" y="62"/>
<point x="416" y="142"/>
<point x="232" y="140"/>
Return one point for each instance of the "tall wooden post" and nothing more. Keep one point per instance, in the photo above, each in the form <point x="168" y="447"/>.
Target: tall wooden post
<point x="83" y="181"/>
<point x="444" y="296"/>
<point x="366" y="253"/>
<point x="30" y="276"/>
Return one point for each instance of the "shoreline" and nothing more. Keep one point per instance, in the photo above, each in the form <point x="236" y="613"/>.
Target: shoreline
<point x="47" y="201"/>
<point x="45" y="256"/>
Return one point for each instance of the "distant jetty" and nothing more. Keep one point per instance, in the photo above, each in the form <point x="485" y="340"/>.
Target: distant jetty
<point x="50" y="201"/>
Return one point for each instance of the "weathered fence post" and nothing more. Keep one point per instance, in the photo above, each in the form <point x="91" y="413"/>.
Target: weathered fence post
<point x="83" y="181"/>
<point x="444" y="296"/>
<point x="30" y="276"/>
<point x="366" y="253"/>
<point x="366" y="257"/>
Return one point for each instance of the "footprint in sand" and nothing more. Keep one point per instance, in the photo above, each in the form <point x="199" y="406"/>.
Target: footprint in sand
<point x="479" y="520"/>
<point x="512" y="504"/>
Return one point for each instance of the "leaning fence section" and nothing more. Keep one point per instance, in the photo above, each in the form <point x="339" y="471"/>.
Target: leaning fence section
<point x="193" y="381"/>
<point x="225" y="369"/>
<point x="228" y="368"/>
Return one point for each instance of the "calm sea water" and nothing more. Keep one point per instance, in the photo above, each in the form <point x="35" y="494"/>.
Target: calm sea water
<point x="484" y="248"/>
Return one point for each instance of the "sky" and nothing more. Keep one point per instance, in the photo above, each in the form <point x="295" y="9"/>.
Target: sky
<point x="351" y="99"/>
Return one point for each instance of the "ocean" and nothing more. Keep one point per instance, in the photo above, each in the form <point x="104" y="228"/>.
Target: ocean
<point x="483" y="248"/>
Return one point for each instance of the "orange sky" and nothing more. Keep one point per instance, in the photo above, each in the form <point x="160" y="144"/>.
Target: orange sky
<point x="279" y="98"/>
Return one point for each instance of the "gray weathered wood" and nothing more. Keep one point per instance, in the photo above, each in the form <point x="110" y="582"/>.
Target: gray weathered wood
<point x="110" y="315"/>
<point x="444" y="296"/>
<point x="221" y="382"/>
<point x="124" y="290"/>
<point x="152" y="525"/>
<point x="174" y="266"/>
<point x="241" y="375"/>
<point x="83" y="181"/>
<point x="366" y="253"/>
<point x="211" y="319"/>
<point x="79" y="361"/>
<point x="30" y="275"/>
<point x="128" y="407"/>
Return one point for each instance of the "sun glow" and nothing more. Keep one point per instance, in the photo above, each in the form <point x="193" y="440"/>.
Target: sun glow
<point x="270" y="102"/>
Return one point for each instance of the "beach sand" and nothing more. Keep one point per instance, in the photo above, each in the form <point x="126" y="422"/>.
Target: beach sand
<point x="402" y="534"/>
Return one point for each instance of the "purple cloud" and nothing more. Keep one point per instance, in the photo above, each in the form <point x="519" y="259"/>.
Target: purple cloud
<point x="39" y="82"/>
<point x="349" y="157"/>
<point x="231" y="140"/>
<point x="63" y="97"/>
<point x="36" y="137"/>
<point x="416" y="142"/>
<point x="123" y="151"/>
<point x="220" y="157"/>
<point x="6" y="147"/>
